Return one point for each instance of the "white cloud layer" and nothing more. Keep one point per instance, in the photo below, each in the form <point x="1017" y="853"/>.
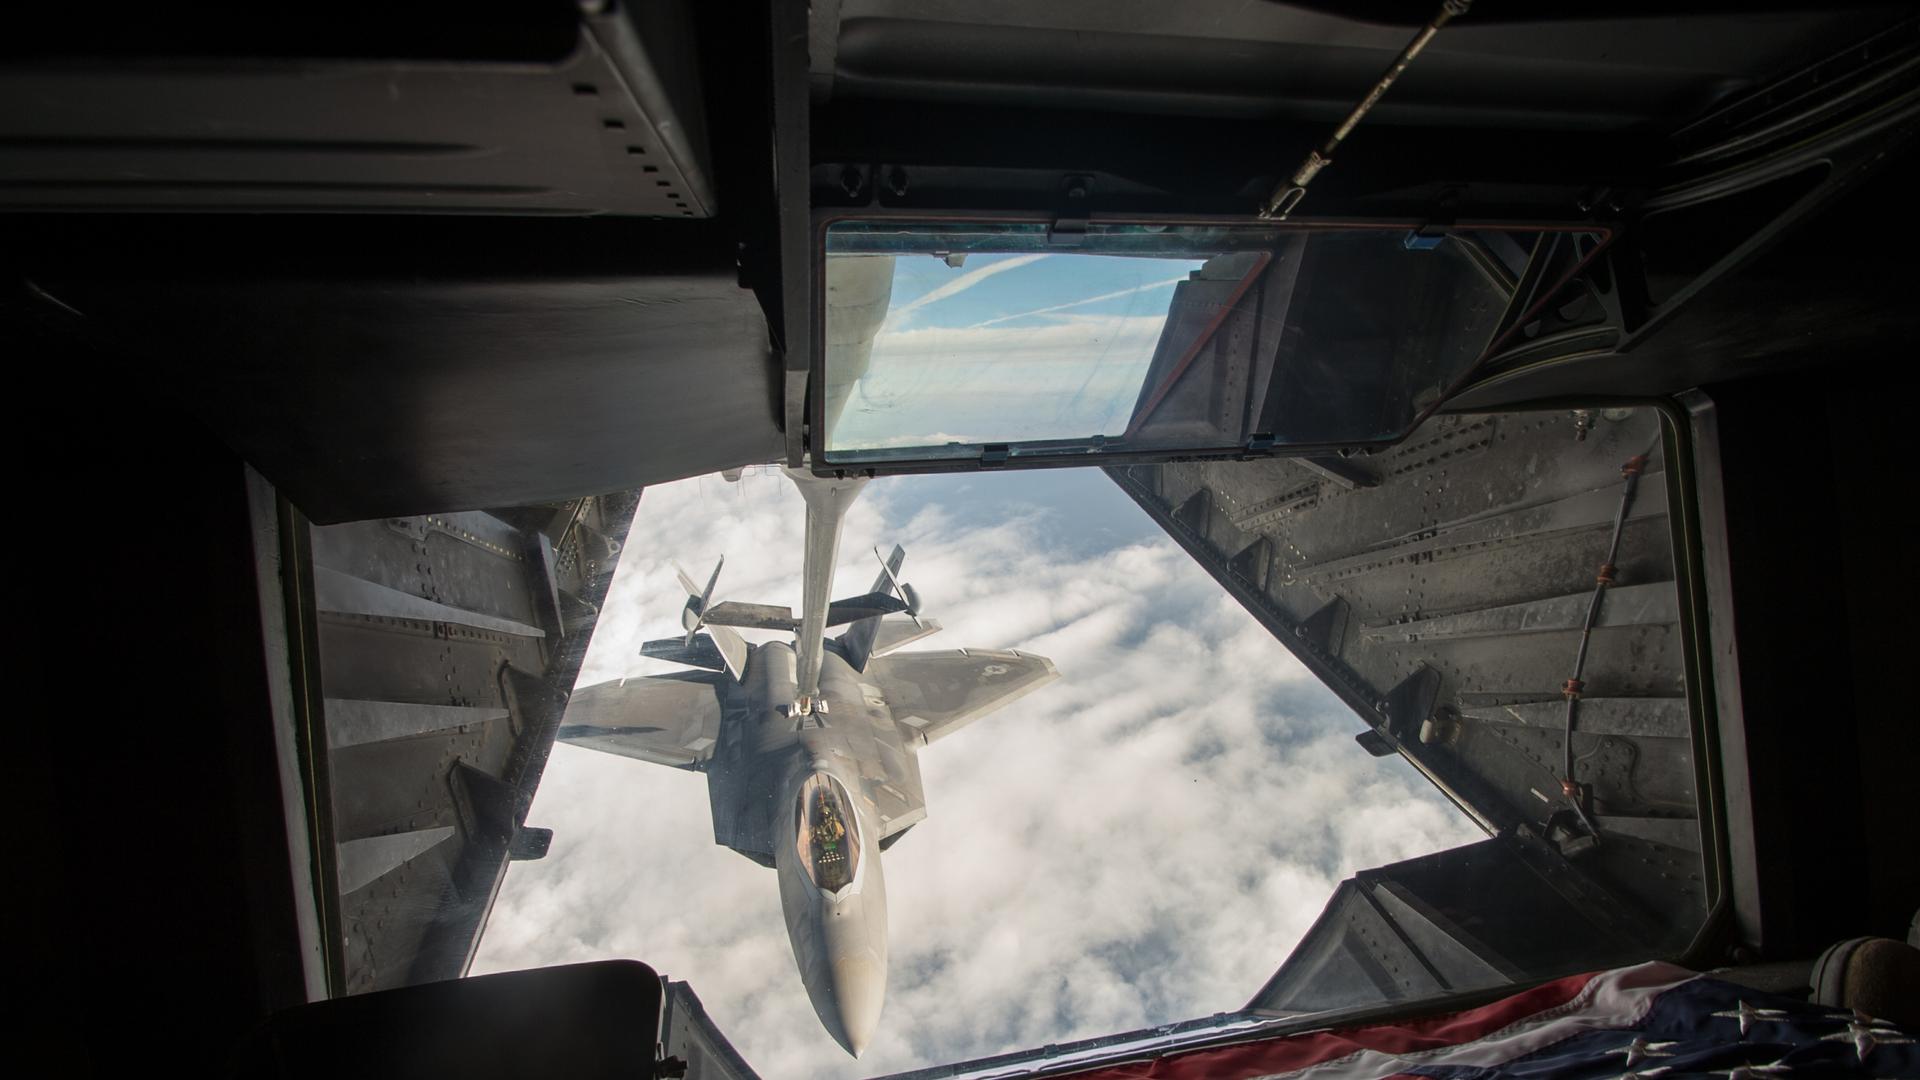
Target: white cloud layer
<point x="1077" y="376"/>
<point x="1142" y="841"/>
<point x="1116" y="294"/>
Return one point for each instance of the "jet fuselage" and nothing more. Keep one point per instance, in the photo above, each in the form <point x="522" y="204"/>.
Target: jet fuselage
<point x="837" y="923"/>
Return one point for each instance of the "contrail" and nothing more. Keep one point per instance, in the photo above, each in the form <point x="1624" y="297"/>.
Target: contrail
<point x="1148" y="287"/>
<point x="967" y="281"/>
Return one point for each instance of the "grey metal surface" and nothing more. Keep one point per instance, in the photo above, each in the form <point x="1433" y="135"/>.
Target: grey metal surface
<point x="1444" y="603"/>
<point x="342" y="594"/>
<point x="352" y="723"/>
<point x="1634" y="605"/>
<point x="613" y="125"/>
<point x="936" y="693"/>
<point x="446" y="646"/>
<point x="472" y="365"/>
<point x="370" y="858"/>
<point x="300" y="818"/>
<point x="666" y="719"/>
<point x="1312" y="61"/>
<point x="1472" y="918"/>
<point x="1730" y="733"/>
<point x="689" y="1035"/>
<point x="774" y="737"/>
<point x="1776" y="325"/>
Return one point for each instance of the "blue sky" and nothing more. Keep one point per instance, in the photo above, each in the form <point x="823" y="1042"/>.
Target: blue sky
<point x="1141" y="841"/>
<point x="1032" y="289"/>
<point x="1011" y="347"/>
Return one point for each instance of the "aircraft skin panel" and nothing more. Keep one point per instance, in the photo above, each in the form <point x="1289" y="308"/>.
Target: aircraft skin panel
<point x="894" y="790"/>
<point x="871" y="638"/>
<point x="666" y="719"/>
<point x="895" y="634"/>
<point x="859" y="642"/>
<point x="837" y="928"/>
<point x="933" y="694"/>
<point x="873" y="605"/>
<point x="751" y="616"/>
<point x="863" y="727"/>
<point x="732" y="648"/>
<point x="882" y="633"/>
<point x="701" y="654"/>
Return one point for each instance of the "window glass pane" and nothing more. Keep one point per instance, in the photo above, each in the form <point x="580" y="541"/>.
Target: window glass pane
<point x="964" y="341"/>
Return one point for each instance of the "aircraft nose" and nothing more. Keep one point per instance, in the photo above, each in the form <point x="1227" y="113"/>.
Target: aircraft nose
<point x="858" y="987"/>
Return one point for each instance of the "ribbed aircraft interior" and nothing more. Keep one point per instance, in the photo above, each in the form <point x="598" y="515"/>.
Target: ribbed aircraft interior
<point x="1531" y="377"/>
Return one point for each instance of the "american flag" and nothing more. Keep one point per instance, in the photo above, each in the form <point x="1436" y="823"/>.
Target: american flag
<point x="1654" y="1020"/>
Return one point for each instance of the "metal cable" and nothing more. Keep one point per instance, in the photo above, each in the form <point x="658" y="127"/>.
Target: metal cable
<point x="1288" y="195"/>
<point x="1630" y="482"/>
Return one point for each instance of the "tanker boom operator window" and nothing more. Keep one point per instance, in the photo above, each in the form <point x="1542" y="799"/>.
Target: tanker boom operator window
<point x="828" y="836"/>
<point x="988" y="341"/>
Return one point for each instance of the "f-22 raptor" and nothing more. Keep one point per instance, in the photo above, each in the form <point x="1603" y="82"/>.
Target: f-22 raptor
<point x="810" y="748"/>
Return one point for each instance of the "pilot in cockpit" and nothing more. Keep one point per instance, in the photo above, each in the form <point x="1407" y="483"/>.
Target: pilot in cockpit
<point x="828" y="830"/>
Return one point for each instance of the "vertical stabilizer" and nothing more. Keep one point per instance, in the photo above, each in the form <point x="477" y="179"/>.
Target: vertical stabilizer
<point x="731" y="647"/>
<point x="857" y="640"/>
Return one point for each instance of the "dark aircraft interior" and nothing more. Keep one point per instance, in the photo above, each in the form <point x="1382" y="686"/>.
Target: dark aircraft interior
<point x="385" y="315"/>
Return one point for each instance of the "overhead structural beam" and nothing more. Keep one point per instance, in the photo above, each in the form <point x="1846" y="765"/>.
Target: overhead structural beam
<point x="352" y="722"/>
<point x="1673" y="832"/>
<point x="1348" y="474"/>
<point x="1634" y="717"/>
<point x="363" y="861"/>
<point x="1635" y="605"/>
<point x="1585" y="510"/>
<point x="345" y="594"/>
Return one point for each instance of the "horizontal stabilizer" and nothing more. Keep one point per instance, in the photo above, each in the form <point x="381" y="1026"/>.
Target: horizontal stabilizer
<point x="752" y="616"/>
<point x="780" y="617"/>
<point x="871" y="606"/>
<point x="729" y="651"/>
<point x="874" y="637"/>
<point x="700" y="654"/>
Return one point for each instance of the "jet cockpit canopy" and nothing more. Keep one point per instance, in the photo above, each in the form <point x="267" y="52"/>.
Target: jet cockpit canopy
<point x="827" y="833"/>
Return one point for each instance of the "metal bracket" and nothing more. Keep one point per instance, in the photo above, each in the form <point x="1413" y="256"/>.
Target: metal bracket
<point x="1196" y="511"/>
<point x="1069" y="227"/>
<point x="1408" y="705"/>
<point x="1322" y="630"/>
<point x="1067" y="232"/>
<point x="1253" y="562"/>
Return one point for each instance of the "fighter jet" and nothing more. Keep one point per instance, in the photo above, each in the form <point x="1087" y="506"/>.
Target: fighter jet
<point x="810" y="747"/>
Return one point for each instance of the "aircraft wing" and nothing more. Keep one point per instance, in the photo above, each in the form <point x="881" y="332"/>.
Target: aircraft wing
<point x="667" y="719"/>
<point x="933" y="694"/>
